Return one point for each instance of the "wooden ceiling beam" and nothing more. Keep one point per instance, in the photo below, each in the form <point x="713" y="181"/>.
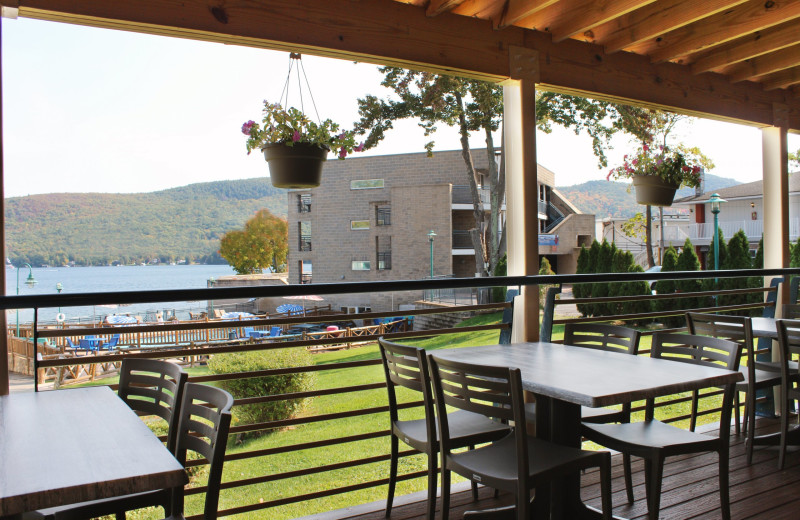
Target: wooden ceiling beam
<point x="393" y="33"/>
<point x="767" y="64"/>
<point x="756" y="44"/>
<point x="437" y="7"/>
<point x="483" y="9"/>
<point x="517" y="10"/>
<point x="653" y="20"/>
<point x="782" y="79"/>
<point x="744" y="19"/>
<point x="570" y="17"/>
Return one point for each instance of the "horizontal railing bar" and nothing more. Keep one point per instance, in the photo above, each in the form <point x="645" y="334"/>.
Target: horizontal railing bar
<point x="701" y="294"/>
<point x="661" y="314"/>
<point x="304" y="446"/>
<point x="222" y="293"/>
<point x="310" y="393"/>
<point x="312" y="496"/>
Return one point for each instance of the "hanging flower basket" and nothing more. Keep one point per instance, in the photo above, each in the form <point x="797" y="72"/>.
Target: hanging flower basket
<point x="653" y="191"/>
<point x="296" y="166"/>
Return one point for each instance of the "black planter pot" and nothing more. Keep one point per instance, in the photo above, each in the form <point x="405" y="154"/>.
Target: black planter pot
<point x="653" y="191"/>
<point x="297" y="166"/>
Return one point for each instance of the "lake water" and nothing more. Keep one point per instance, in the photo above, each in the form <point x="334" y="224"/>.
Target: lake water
<point x="112" y="279"/>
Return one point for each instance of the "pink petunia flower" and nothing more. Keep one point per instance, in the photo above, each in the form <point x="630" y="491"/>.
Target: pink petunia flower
<point x="342" y="153"/>
<point x="296" y="136"/>
<point x="247" y="127"/>
<point x="359" y="148"/>
<point x="645" y="147"/>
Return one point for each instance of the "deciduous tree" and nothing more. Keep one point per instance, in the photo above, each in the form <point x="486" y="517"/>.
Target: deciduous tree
<point x="263" y="243"/>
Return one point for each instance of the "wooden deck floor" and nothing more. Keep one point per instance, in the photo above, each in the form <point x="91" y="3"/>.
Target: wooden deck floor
<point x="690" y="489"/>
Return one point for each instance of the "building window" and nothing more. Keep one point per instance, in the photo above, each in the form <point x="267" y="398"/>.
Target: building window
<point x="304" y="229"/>
<point x="383" y="249"/>
<point x="366" y="184"/>
<point x="305" y="271"/>
<point x="304" y="203"/>
<point x="361" y="265"/>
<point x="383" y="215"/>
<point x="358" y="225"/>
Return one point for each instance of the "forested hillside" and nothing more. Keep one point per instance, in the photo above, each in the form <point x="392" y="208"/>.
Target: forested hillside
<point x="612" y="199"/>
<point x="183" y="223"/>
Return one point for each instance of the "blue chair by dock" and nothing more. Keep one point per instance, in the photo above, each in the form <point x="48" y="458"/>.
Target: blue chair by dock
<point x="111" y="344"/>
<point x="274" y="331"/>
<point x="88" y="345"/>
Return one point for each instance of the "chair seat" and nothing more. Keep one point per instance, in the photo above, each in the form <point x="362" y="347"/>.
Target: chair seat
<point x="467" y="427"/>
<point x="103" y="507"/>
<point x="647" y="435"/>
<point x="495" y="465"/>
<point x="601" y="415"/>
<point x="764" y="378"/>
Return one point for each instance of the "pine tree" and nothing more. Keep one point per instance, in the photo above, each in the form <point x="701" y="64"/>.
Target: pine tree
<point x="738" y="259"/>
<point x="501" y="269"/>
<point x="594" y="254"/>
<point x="635" y="289"/>
<point x="708" y="283"/>
<point x="758" y="281"/>
<point x="669" y="264"/>
<point x="688" y="261"/>
<point x="619" y="264"/>
<point x="600" y="289"/>
<point x="580" y="290"/>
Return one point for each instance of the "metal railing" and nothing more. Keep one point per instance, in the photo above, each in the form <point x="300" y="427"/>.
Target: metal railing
<point x="754" y="229"/>
<point x="463" y="195"/>
<point x="328" y="456"/>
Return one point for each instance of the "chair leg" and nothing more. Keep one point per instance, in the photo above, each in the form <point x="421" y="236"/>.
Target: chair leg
<point x="750" y="424"/>
<point x="736" y="415"/>
<point x="432" y="467"/>
<point x="724" y="494"/>
<point x="605" y="483"/>
<point x="474" y="485"/>
<point x="395" y="448"/>
<point x="784" y="426"/>
<point x="626" y="466"/>
<point x="693" y="418"/>
<point x="654" y="502"/>
<point x="445" y="493"/>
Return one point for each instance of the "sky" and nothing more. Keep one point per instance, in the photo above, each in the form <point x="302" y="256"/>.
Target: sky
<point x="96" y="110"/>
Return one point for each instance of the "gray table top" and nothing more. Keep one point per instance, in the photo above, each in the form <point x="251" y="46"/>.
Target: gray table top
<point x="68" y="446"/>
<point x="764" y="327"/>
<point x="590" y="377"/>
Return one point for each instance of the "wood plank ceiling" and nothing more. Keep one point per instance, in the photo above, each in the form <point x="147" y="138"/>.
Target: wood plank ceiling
<point x="745" y="40"/>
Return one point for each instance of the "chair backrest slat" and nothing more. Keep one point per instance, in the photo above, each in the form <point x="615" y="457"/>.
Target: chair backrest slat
<point x="153" y="387"/>
<point x="600" y="336"/>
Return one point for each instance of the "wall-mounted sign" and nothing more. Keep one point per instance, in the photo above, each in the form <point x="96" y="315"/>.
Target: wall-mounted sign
<point x="548" y="240"/>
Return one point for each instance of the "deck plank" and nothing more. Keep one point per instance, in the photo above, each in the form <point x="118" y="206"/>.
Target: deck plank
<point x="690" y="489"/>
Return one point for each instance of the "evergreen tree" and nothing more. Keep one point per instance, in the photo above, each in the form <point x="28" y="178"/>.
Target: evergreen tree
<point x="635" y="289"/>
<point x="737" y="258"/>
<point x="578" y="289"/>
<point x="600" y="289"/>
<point x="758" y="281"/>
<point x="688" y="261"/>
<point x="587" y="291"/>
<point x="669" y="264"/>
<point x="619" y="264"/>
<point x="708" y="283"/>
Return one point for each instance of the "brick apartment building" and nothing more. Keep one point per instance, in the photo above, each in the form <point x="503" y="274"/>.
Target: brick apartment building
<point x="371" y="217"/>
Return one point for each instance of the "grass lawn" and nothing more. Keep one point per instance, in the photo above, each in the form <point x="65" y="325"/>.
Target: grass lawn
<point x="260" y="467"/>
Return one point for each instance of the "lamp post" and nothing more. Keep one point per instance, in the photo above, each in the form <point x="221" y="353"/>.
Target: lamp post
<point x="59" y="288"/>
<point x="715" y="201"/>
<point x="30" y="282"/>
<point x="431" y="236"/>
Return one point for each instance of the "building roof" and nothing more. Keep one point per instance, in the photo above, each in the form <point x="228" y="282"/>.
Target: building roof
<point x="748" y="190"/>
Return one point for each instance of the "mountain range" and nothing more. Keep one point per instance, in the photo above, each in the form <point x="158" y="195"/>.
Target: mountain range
<point x="186" y="223"/>
<point x="614" y="199"/>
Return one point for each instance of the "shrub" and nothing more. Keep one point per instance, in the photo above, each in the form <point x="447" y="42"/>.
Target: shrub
<point x="265" y="385"/>
<point x="501" y="269"/>
<point x="688" y="261"/>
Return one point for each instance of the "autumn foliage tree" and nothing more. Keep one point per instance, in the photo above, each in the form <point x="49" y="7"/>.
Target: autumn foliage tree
<point x="263" y="243"/>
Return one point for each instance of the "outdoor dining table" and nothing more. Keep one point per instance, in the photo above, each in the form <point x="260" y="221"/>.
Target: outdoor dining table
<point x="67" y="446"/>
<point x="564" y="378"/>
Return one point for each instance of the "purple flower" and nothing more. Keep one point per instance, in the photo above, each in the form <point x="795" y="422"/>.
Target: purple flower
<point x="342" y="153"/>
<point x="359" y="148"/>
<point x="296" y="136"/>
<point x="342" y="136"/>
<point x="247" y="127"/>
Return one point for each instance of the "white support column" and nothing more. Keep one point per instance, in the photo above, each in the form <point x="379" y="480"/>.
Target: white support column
<point x="519" y="95"/>
<point x="774" y="150"/>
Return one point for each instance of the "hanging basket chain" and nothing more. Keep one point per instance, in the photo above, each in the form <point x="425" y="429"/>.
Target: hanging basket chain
<point x="284" y="98"/>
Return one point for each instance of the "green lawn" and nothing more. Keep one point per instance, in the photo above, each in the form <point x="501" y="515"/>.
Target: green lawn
<point x="299" y="460"/>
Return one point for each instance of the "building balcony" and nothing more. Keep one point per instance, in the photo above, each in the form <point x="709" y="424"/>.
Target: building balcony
<point x="703" y="234"/>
